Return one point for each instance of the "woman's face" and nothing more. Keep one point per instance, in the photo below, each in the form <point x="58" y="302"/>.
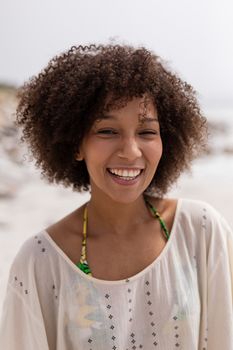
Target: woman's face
<point x="122" y="151"/>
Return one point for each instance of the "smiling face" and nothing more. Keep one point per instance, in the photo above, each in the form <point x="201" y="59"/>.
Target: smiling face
<point x="122" y="151"/>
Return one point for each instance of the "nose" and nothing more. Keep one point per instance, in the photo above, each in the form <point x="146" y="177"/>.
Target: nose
<point x="129" y="149"/>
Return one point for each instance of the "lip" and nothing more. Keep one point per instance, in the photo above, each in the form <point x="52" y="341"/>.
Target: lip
<point x="125" y="182"/>
<point x="125" y="168"/>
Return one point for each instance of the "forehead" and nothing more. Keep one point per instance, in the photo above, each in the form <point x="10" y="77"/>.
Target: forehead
<point x="142" y="107"/>
<point x="113" y="102"/>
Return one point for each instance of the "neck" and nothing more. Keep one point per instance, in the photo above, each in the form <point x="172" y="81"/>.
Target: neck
<point x="114" y="217"/>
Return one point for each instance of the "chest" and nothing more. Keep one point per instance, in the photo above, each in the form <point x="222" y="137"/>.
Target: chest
<point x="116" y="259"/>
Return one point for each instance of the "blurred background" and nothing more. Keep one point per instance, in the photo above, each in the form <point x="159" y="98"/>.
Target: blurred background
<point x="194" y="37"/>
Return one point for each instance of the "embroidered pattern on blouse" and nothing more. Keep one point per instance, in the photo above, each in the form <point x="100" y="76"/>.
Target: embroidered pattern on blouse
<point x="205" y="339"/>
<point x="132" y="337"/>
<point x="111" y="320"/>
<point x="20" y="284"/>
<point x="39" y="241"/>
<point x="151" y="314"/>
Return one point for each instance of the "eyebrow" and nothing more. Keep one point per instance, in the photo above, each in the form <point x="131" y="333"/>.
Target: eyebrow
<point x="144" y="119"/>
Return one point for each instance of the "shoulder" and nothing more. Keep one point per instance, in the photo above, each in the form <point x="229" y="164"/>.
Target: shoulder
<point x="40" y="256"/>
<point x="38" y="266"/>
<point x="34" y="264"/>
<point x="67" y="234"/>
<point x="29" y="253"/>
<point x="26" y="267"/>
<point x="71" y="225"/>
<point x="205" y="224"/>
<point x="198" y="210"/>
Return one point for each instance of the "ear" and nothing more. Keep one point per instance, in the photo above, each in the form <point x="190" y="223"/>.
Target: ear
<point x="78" y="156"/>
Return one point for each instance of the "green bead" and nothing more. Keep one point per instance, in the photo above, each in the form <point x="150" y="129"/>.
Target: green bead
<point x="156" y="214"/>
<point x="84" y="267"/>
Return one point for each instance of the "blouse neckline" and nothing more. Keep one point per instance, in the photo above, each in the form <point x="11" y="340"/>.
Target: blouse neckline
<point x="90" y="278"/>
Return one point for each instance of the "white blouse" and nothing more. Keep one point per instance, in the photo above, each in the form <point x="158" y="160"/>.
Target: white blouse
<point x="183" y="300"/>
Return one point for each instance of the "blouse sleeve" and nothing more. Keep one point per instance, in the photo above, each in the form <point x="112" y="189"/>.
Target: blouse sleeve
<point x="22" y="326"/>
<point x="20" y="329"/>
<point x="220" y="287"/>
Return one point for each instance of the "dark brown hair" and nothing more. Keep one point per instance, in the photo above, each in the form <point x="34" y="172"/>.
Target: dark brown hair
<point x="58" y="107"/>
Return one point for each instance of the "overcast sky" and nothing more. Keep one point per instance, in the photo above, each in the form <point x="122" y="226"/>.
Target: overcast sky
<point x="195" y="37"/>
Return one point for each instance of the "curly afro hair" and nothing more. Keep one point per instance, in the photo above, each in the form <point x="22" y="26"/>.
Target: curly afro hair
<point x="58" y="107"/>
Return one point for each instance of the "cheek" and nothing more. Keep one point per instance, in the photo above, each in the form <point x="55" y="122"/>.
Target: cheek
<point x="155" y="151"/>
<point x="95" y="156"/>
<point x="100" y="151"/>
<point x="160" y="149"/>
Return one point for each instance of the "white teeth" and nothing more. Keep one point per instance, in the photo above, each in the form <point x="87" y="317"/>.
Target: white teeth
<point x="125" y="173"/>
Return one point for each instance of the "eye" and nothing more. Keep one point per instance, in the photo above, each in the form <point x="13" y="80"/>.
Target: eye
<point x="148" y="132"/>
<point x="107" y="132"/>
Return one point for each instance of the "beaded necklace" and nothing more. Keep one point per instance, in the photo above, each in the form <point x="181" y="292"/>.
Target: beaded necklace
<point x="83" y="264"/>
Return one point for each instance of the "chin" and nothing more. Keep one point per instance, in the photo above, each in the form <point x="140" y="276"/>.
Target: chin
<point x="125" y="198"/>
<point x="118" y="195"/>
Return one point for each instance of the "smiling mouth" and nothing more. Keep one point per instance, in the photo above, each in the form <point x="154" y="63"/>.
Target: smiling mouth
<point x="125" y="175"/>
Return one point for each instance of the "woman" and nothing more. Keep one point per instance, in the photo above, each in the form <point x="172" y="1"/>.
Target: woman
<point x="130" y="269"/>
